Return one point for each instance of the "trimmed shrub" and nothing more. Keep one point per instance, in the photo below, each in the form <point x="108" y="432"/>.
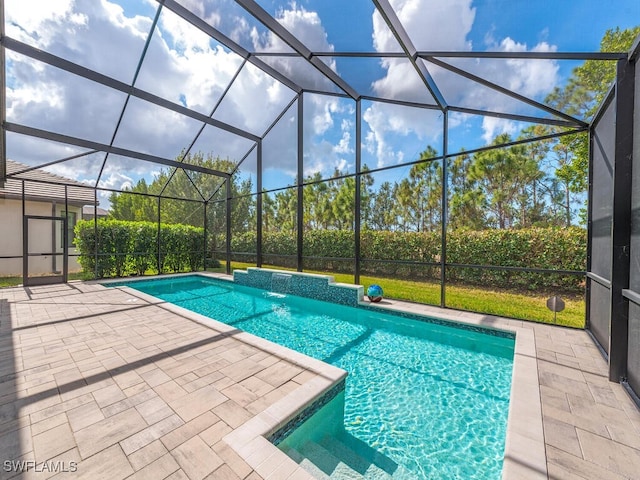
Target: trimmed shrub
<point x="391" y="253"/>
<point x="125" y="248"/>
<point x="110" y="240"/>
<point x="143" y="247"/>
<point x="541" y="248"/>
<point x="131" y="248"/>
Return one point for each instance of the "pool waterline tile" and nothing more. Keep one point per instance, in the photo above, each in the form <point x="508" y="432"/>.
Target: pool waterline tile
<point x="308" y="285"/>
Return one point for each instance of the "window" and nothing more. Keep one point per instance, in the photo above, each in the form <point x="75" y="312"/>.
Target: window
<point x="71" y="223"/>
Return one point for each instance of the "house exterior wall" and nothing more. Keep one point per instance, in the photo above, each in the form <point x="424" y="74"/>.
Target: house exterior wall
<point x="41" y="237"/>
<point x="11" y="238"/>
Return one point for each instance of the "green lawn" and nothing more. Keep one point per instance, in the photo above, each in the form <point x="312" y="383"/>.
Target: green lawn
<point x="15" y="281"/>
<point x="10" y="281"/>
<point x="528" y="306"/>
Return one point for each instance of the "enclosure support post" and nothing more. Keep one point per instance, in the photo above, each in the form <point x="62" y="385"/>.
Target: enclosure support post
<point x="621" y="221"/>
<point x="358" y="192"/>
<point x="259" y="205"/>
<point x="204" y="243"/>
<point x="299" y="204"/>
<point x="65" y="236"/>
<point x="158" y="241"/>
<point x="54" y="258"/>
<point x="95" y="233"/>
<point x="227" y="183"/>
<point x="25" y="246"/>
<point x="587" y="290"/>
<point x="3" y="103"/>
<point x="444" y="210"/>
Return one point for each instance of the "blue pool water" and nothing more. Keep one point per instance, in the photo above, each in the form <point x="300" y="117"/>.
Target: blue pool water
<point x="432" y="398"/>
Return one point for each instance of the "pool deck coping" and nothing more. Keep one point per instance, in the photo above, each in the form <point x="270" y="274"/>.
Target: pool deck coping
<point x="524" y="456"/>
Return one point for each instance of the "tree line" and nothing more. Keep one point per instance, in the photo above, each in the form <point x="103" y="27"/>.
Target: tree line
<point x="530" y="184"/>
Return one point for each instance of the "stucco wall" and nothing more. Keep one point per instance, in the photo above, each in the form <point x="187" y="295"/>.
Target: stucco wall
<point x="11" y="238"/>
<point x="40" y="237"/>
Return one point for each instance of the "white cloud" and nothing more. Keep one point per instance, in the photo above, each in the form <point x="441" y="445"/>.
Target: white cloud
<point x="534" y="77"/>
<point x="492" y="127"/>
<point x="67" y="170"/>
<point x="37" y="19"/>
<point x="321" y="157"/>
<point x="344" y="145"/>
<point x="47" y="98"/>
<point x="329" y="135"/>
<point x="322" y="110"/>
<point x="116" y="180"/>
<point x="329" y="120"/>
<point x="307" y="27"/>
<point x="280" y="152"/>
<point x="531" y="78"/>
<point x="113" y="180"/>
<point x="391" y="126"/>
<point x="254" y="101"/>
<point x="193" y="70"/>
<point x="380" y="125"/>
<point x="94" y="33"/>
<point x="401" y="82"/>
<point x="423" y="21"/>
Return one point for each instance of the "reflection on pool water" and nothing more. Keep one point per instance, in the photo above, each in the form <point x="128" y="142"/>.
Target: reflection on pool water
<point x="431" y="398"/>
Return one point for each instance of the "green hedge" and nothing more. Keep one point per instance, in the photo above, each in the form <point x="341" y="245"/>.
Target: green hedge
<point x="126" y="248"/>
<point x="543" y="248"/>
<point x="131" y="248"/>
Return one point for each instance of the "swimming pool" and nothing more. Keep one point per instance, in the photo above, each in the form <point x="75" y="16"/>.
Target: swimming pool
<point x="430" y="397"/>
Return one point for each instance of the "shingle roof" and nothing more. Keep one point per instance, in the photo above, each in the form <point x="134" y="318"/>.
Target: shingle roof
<point x="88" y="210"/>
<point x="44" y="186"/>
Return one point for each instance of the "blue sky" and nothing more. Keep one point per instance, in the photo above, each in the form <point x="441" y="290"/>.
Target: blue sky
<point x="186" y="67"/>
<point x="572" y="25"/>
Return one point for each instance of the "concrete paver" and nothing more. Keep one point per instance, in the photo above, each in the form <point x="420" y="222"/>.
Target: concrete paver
<point x="124" y="387"/>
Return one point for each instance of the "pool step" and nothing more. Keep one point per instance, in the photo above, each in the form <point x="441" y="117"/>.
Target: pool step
<point x="308" y="463"/>
<point x="331" y="459"/>
<point x="371" y="465"/>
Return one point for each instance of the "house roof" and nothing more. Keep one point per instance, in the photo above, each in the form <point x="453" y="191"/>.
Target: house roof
<point x="41" y="185"/>
<point x="88" y="210"/>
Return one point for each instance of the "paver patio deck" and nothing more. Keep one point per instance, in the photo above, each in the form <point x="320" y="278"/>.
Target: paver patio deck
<point x="130" y="389"/>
